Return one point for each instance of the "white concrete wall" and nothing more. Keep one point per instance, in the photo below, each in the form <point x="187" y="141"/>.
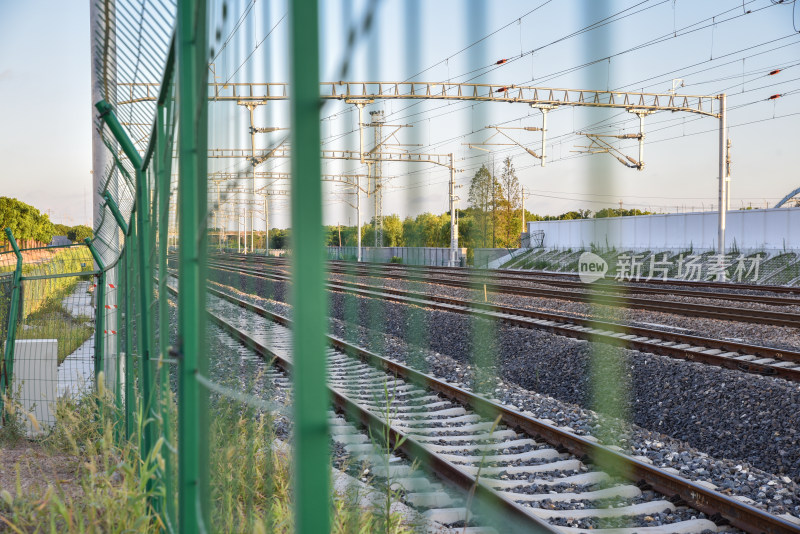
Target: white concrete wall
<point x="410" y="255"/>
<point x="36" y="379"/>
<point x="750" y="230"/>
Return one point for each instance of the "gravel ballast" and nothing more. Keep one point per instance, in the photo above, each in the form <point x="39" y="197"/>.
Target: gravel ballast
<point x="780" y="337"/>
<point x="684" y="411"/>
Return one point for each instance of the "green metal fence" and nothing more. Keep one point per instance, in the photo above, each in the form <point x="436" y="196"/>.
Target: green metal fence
<point x="211" y="426"/>
<point x="148" y="215"/>
<point x="52" y="309"/>
<point x="129" y="307"/>
<point x="210" y="419"/>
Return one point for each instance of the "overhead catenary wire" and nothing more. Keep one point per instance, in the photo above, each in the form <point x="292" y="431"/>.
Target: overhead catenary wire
<point x="437" y="142"/>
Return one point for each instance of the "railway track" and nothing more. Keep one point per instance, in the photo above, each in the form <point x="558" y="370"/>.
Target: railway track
<point x="580" y="292"/>
<point x="723" y="353"/>
<point x="718" y="290"/>
<point x="630" y="285"/>
<point x="524" y="474"/>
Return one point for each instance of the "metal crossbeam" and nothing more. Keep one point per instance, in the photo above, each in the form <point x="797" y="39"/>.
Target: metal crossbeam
<point x="284" y="152"/>
<point x="275" y="175"/>
<point x="371" y="91"/>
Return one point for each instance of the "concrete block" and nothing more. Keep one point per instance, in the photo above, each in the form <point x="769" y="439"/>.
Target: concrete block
<point x="36" y="379"/>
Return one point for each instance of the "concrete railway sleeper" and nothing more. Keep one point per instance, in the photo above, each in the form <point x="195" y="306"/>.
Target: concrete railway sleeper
<point x="724" y="313"/>
<point x="723" y="353"/>
<point x="502" y="281"/>
<point x="454" y="432"/>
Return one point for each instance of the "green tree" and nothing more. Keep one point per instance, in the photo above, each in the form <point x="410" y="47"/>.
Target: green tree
<point x="392" y="231"/>
<point x="79" y="233"/>
<point x="618" y="212"/>
<point x="25" y="221"/>
<point x="279" y="238"/>
<point x="510" y="205"/>
<point x="484" y="192"/>
<point x="60" y="229"/>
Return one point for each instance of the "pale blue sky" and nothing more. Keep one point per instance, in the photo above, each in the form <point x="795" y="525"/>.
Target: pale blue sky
<point x="45" y="115"/>
<point x="44" y="78"/>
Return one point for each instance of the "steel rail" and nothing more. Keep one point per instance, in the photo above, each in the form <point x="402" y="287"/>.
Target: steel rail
<point x="629" y="283"/>
<point x="718" y="352"/>
<point x="720" y="508"/>
<point x="564" y="280"/>
<point x="725" y="313"/>
<point x="514" y="517"/>
<point x="608" y="287"/>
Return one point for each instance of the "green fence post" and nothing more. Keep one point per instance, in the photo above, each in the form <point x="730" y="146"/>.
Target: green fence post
<point x="143" y="326"/>
<point x="311" y="462"/>
<point x="11" y="333"/>
<point x="145" y="286"/>
<point x="125" y="143"/>
<point x="100" y="315"/>
<point x="112" y="205"/>
<point x="192" y="102"/>
<point x="163" y="162"/>
<point x="118" y="392"/>
<point x="130" y="391"/>
<point x="121" y="291"/>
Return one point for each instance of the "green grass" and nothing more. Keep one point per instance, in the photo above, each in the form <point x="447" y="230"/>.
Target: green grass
<point x="107" y="492"/>
<point x="51" y="321"/>
<point x="62" y="327"/>
<point x="251" y="480"/>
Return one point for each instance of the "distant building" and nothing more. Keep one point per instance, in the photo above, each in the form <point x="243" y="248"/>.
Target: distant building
<point x="59" y="241"/>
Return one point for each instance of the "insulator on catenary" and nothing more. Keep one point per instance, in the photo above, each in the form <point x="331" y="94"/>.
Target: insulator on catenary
<point x="501" y="62"/>
<point x="774" y="72"/>
<point x="501" y="90"/>
<point x="773" y="97"/>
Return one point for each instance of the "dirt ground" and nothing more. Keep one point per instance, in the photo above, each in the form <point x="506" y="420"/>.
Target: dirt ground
<point x="36" y="468"/>
<point x="37" y="256"/>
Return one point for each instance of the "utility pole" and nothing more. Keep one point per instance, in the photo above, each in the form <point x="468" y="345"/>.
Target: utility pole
<point x="360" y="105"/>
<point x="251" y="108"/>
<point x="219" y="207"/>
<point x="358" y="218"/>
<point x="377" y="121"/>
<point x="494" y="201"/>
<point x="523" y="212"/>
<point x="266" y="223"/>
<point x="728" y="174"/>
<point x="225" y="233"/>
<point x="453" y="219"/>
<point x="723" y="143"/>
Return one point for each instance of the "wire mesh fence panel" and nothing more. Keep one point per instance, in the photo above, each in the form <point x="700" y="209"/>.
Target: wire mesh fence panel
<point x="55" y="343"/>
<point x="8" y="262"/>
<point x="49" y="344"/>
<point x="277" y="292"/>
